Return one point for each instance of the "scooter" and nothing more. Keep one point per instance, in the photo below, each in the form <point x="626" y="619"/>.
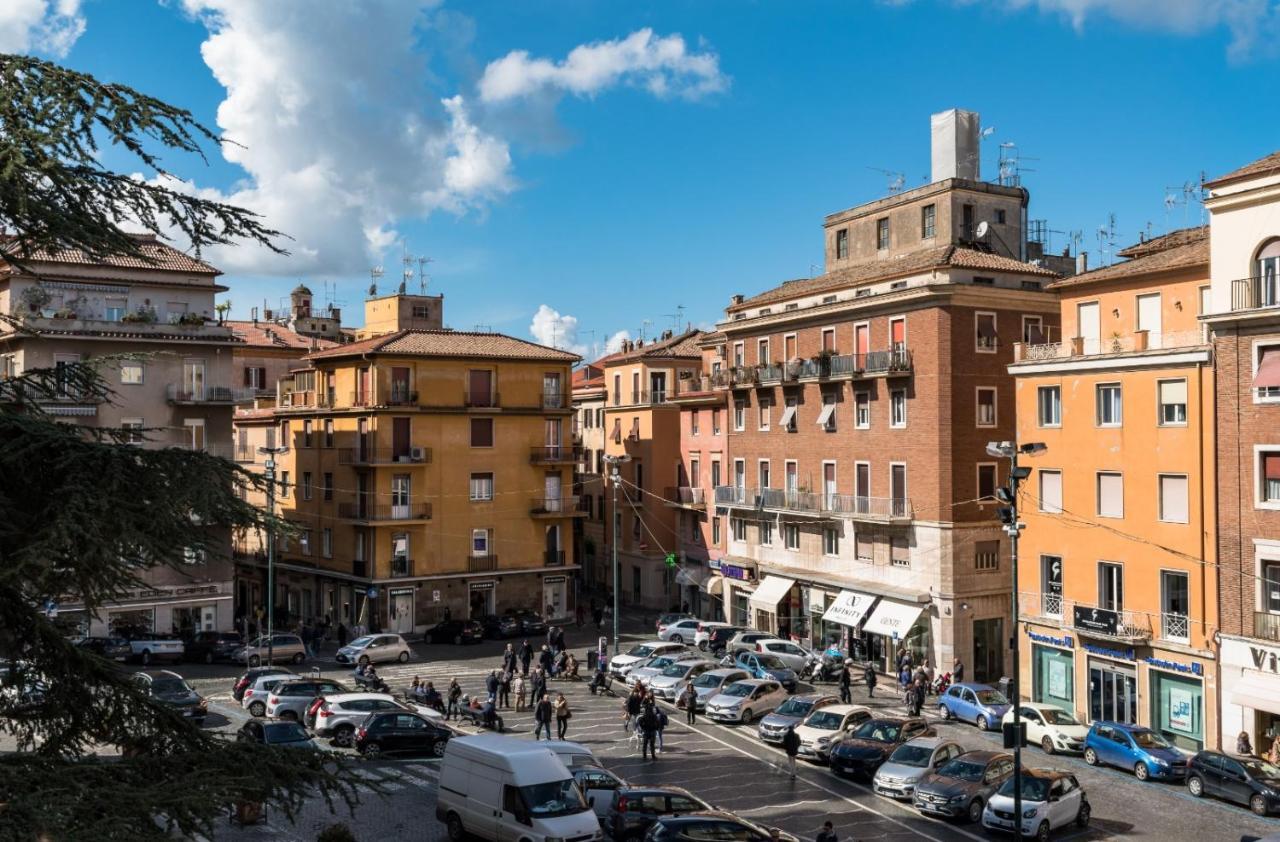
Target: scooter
<point x="940" y="684"/>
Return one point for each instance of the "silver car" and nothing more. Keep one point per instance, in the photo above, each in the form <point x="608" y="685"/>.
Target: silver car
<point x="644" y="672"/>
<point x="792" y="712"/>
<point x="258" y="693"/>
<point x="375" y="649"/>
<point x="711" y="682"/>
<point x="743" y="701"/>
<point x="290" y="699"/>
<point x="285" y="648"/>
<point x="670" y="683"/>
<point x="789" y="653"/>
<point x="911" y="761"/>
<point x="746" y="640"/>
<point x="340" y="714"/>
<point x="636" y="655"/>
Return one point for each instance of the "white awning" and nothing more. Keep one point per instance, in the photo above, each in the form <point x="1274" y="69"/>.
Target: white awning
<point x="715" y="586"/>
<point x="893" y="617"/>
<point x="849" y="608"/>
<point x="771" y="590"/>
<point x="788" y="416"/>
<point x="692" y="576"/>
<point x="825" y="415"/>
<point x="1257" y="692"/>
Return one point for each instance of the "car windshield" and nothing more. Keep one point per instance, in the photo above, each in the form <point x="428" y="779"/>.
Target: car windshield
<point x="662" y="662"/>
<point x="909" y="755"/>
<point x="795" y="707"/>
<point x="739" y="690"/>
<point x="771" y="662"/>
<point x="825" y="720"/>
<point x="556" y="798"/>
<point x="361" y="642"/>
<point x="707" y="679"/>
<point x="1055" y="716"/>
<point x="1258" y="768"/>
<point x="1150" y="739"/>
<point x="1033" y="789"/>
<point x="965" y="770"/>
<point x="285" y="732"/>
<point x="677" y="670"/>
<point x="169" y="685"/>
<point x="878" y="731"/>
<point x="991" y="698"/>
<point x="640" y="651"/>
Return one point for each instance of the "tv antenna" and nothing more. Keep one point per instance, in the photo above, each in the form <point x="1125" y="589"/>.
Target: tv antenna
<point x="375" y="275"/>
<point x="677" y="318"/>
<point x="896" y="179"/>
<point x="644" y="323"/>
<point x="422" y="274"/>
<point x="1106" y="235"/>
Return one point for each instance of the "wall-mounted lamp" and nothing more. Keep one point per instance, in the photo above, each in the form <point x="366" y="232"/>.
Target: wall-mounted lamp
<point x="1116" y="312"/>
<point x="1177" y="305"/>
<point x="964" y="606"/>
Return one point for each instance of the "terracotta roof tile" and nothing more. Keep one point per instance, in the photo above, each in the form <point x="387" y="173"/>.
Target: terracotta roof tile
<point x="449" y="343"/>
<point x="683" y="345"/>
<point x="1267" y="164"/>
<point x="164" y="256"/>
<point x="1189" y="254"/>
<point x="272" y="335"/>
<point x="1181" y="236"/>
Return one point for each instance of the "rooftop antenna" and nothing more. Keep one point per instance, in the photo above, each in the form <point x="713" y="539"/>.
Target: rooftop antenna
<point x="644" y="324"/>
<point x="813" y="269"/>
<point x="375" y="275"/>
<point x="1106" y="235"/>
<point x="677" y="318"/>
<point x="896" y="179"/>
<point x="422" y="274"/>
<point x="1076" y="237"/>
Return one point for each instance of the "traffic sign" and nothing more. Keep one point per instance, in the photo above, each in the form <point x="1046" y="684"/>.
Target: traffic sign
<point x="372" y="593"/>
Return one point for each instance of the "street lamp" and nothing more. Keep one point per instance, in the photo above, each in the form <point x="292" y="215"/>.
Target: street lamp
<point x="270" y="473"/>
<point x="616" y="477"/>
<point x="1008" y="513"/>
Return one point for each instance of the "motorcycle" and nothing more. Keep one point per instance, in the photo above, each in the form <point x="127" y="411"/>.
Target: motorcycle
<point x="940" y="684"/>
<point x="824" y="667"/>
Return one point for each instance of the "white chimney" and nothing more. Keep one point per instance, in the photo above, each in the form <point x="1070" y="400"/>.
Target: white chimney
<point x="955" y="144"/>
<point x="1082" y="262"/>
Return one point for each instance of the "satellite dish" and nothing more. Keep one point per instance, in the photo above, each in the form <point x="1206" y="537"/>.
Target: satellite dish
<point x="983" y="227"/>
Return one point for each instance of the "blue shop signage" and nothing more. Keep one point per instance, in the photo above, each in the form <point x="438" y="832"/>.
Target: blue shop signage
<point x="1108" y="652"/>
<point x="1165" y="664"/>
<point x="733" y="571"/>
<point x="1051" y="640"/>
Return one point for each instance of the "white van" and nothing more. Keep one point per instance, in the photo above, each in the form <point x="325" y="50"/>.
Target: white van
<point x="505" y="789"/>
<point x="571" y="754"/>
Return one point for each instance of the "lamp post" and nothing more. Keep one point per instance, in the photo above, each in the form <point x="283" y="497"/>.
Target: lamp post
<point x="1008" y="514"/>
<point x="615" y="477"/>
<point x="270" y="473"/>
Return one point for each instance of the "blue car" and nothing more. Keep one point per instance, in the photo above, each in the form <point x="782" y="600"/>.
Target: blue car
<point x="1144" y="751"/>
<point x="981" y="704"/>
<point x="762" y="665"/>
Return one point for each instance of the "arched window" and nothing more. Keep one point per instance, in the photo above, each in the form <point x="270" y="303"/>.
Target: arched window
<point x="1267" y="272"/>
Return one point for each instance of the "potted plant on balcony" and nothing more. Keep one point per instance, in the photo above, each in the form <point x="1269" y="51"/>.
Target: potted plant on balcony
<point x="36" y="298"/>
<point x="190" y="319"/>
<point x="142" y="315"/>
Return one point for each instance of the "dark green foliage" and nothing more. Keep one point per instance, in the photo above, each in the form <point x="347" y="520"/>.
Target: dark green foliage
<point x="336" y="833"/>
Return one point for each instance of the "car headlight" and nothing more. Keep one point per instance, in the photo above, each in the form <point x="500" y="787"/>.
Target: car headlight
<point x="1030" y="814"/>
<point x="1163" y="764"/>
<point x="823" y="741"/>
<point x="956" y="799"/>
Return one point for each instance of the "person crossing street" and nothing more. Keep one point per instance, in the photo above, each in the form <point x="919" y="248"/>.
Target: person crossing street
<point x="689" y="698"/>
<point x="791" y="745"/>
<point x="869" y="676"/>
<point x="542" y="713"/>
<point x="649" y="731"/>
<point x="846" y="694"/>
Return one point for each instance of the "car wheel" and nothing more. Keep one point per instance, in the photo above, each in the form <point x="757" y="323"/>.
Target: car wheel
<point x="457" y="640"/>
<point x="454" y="826"/>
<point x="975" y="811"/>
<point x="404" y="658"/>
<point x="1042" y="832"/>
<point x="944" y="712"/>
<point x="675" y="638"/>
<point x="747" y="716"/>
<point x="289" y="716"/>
<point x="257" y="709"/>
<point x="1082" y="817"/>
<point x="254" y="661"/>
<point x="343" y="736"/>
<point x="437" y="748"/>
<point x="1091" y="757"/>
<point x="208" y="657"/>
<point x="298" y="658"/>
<point x="1141" y="772"/>
<point x="1046" y="745"/>
<point x="371" y="751"/>
<point x="363" y="661"/>
<point x="1195" y="786"/>
<point x="982" y="723"/>
<point x="1258" y="805"/>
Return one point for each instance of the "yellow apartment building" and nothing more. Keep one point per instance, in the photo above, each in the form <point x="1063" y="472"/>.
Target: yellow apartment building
<point x="1117" y="566"/>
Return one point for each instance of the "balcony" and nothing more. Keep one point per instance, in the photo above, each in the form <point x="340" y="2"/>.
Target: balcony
<point x="383" y="456"/>
<point x="1266" y="625"/>
<point x="1128" y="343"/>
<point x="568" y="505"/>
<point x="685" y="497"/>
<point x="652" y="398"/>
<point x="1175" y="628"/>
<point x="200" y="395"/>
<point x="402" y="396"/>
<point x="743" y="377"/>
<point x="553" y="558"/>
<point x="885" y="510"/>
<point x="869" y="509"/>
<point x="556" y="400"/>
<point x="482" y="563"/>
<point x="401" y="567"/>
<point x="489" y="400"/>
<point x="769" y="374"/>
<point x="1255" y="293"/>
<point x="370" y="513"/>
<point x="92" y="324"/>
<point x="554" y="454"/>
<point x="697" y="384"/>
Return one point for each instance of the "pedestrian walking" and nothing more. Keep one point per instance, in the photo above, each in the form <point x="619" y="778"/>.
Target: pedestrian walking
<point x="454" y="695"/>
<point x="520" y="689"/>
<point x="917" y="696"/>
<point x="869" y="676"/>
<point x="551" y="637"/>
<point x="1243" y="746"/>
<point x="846" y="692"/>
<point x="662" y="726"/>
<point x="791" y="745"/>
<point x="504" y="689"/>
<point x="649" y="732"/>
<point x="546" y="660"/>
<point x="526" y="655"/>
<point x="537" y="686"/>
<point x="827" y="834"/>
<point x="957" y="672"/>
<point x="689" y="698"/>
<point x="342" y="635"/>
<point x="630" y="710"/>
<point x="904" y="677"/>
<point x="491" y="685"/>
<point x="562" y="716"/>
<point x="542" y="713"/>
<point x="509" y="659"/>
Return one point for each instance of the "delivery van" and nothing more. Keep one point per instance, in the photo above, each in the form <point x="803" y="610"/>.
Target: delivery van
<point x="505" y="789"/>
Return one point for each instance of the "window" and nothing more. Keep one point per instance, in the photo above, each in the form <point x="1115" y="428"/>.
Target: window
<point x="966" y="222"/>
<point x="1049" y="406"/>
<point x="986" y="407"/>
<point x="479" y="542"/>
<point x="1110" y="405"/>
<point x="1173" y="498"/>
<point x="882" y="233"/>
<point x="739" y="354"/>
<point x="1271" y="586"/>
<point x="715" y="422"/>
<point x="899" y="551"/>
<point x="1110" y="586"/>
<point x="480" y="387"/>
<point x="898" y="408"/>
<point x="762" y="352"/>
<point x="739" y="415"/>
<point x="326" y="542"/>
<point x="328" y="432"/>
<point x="1173" y="402"/>
<point x="617" y="389"/>
<point x="986" y="555"/>
<point x="1266" y="373"/>
<point x="304" y="542"/>
<point x="763" y="475"/>
<point x="986" y="481"/>
<point x="327" y="489"/>
<point x="985" y="337"/>
<point x="61" y="364"/>
<point x="766" y="533"/>
<point x="827" y="418"/>
<point x="739" y="526"/>
<point x="306" y="485"/>
<point x="863" y="547"/>
<point x="1033" y="330"/>
<point x="715" y="531"/>
<point x="928" y="221"/>
<point x="482" y="432"/>
<point x="1110" y="494"/>
<point x="791" y="536"/>
<point x="1268" y="469"/>
<point x="694" y="423"/>
<point x="788" y="420"/>
<point x="1000" y="216"/>
<point x="306" y="433"/>
<point x="482" y="486"/>
<point x="828" y="340"/>
<point x="284" y="484"/>
<point x="1175" y="605"/>
<point x="862" y="410"/>
<point x="131" y="373"/>
<point x="132" y="426"/>
<point x="765" y="403"/>
<point x="842" y="244"/>
<point x="1050" y="491"/>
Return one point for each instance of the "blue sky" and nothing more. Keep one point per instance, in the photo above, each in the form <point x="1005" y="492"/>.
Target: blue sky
<point x="611" y="198"/>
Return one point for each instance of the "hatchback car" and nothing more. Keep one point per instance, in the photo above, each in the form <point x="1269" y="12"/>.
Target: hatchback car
<point x="283" y="648"/>
<point x="498" y="627"/>
<point x="684" y="630"/>
<point x="290" y="699"/>
<point x="111" y="648"/>
<point x="401" y="732"/>
<point x="711" y="682"/>
<point x="670" y="617"/>
<point x="643" y="671"/>
<point x="862" y="751"/>
<point x="792" y="712"/>
<point x="598" y="786"/>
<point x="981" y="704"/>
<point x="826" y="726"/>
<point x="746" y="640"/>
<point x="702" y="638"/>
<point x="456" y="632"/>
<point x="256" y="694"/>
<point x="1142" y="750"/>
<point x="791" y="654"/>
<point x="246" y="680"/>
<point x="911" y="761"/>
<point x="743" y="701"/>
<point x="282" y="734"/>
<point x="171" y="690"/>
<point x="634" y="809"/>
<point x="1051" y="727"/>
<point x="1244" y="780"/>
<point x="531" y="622"/>
<point x="339" y="714"/>
<point x="622" y="664"/>
<point x="375" y="649"/>
<point x="212" y="646"/>
<point x="961" y="787"/>
<point x="1050" y="800"/>
<point x="711" y="824"/>
<point x="767" y="666"/>
<point x="670" y="683"/>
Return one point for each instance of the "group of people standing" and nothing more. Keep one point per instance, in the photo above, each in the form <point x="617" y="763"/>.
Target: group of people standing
<point x="642" y="716"/>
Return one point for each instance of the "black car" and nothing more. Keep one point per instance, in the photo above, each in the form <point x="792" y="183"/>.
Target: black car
<point x="251" y="675"/>
<point x="719" y="638"/>
<point x="211" y="646"/>
<point x="961" y="787"/>
<point x="634" y="809"/>
<point x="870" y="744"/>
<point x="275" y="733"/>
<point x="171" y="689"/>
<point x="111" y="648"/>
<point x="1251" y="781"/>
<point x="497" y="627"/>
<point x="710" y="824"/>
<point x="400" y="732"/>
<point x="456" y="632"/>
<point x="531" y="622"/>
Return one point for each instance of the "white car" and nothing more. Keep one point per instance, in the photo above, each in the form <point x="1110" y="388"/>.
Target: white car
<point x="680" y="631"/>
<point x="911" y="761"/>
<point x="828" y="725"/>
<point x="789" y="653"/>
<point x="1050" y="800"/>
<point x="258" y="693"/>
<point x="340" y="714"/>
<point x="743" y="701"/>
<point x="654" y="667"/>
<point x="375" y="649"/>
<point x="670" y="683"/>
<point x="622" y="664"/>
<point x="1051" y="727"/>
<point x="710" y="683"/>
<point x="598" y="786"/>
<point x="703" y="636"/>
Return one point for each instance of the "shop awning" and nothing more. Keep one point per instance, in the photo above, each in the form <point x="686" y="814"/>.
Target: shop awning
<point x="771" y="590"/>
<point x="893" y="617"/>
<point x="692" y="576"/>
<point x="849" y="608"/>
<point x="714" y="586"/>
<point x="1257" y="692"/>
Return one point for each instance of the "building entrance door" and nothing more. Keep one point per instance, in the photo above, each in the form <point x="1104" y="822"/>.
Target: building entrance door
<point x="988" y="650"/>
<point x="1113" y="692"/>
<point x="402" y="612"/>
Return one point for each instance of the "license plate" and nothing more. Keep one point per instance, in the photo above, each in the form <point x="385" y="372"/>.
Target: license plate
<point x="1000" y="823"/>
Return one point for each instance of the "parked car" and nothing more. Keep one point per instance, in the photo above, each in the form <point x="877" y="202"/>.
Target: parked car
<point x="702" y="637"/>
<point x="571" y="753"/>
<point x="598" y="786"/>
<point x="531" y="622"/>
<point x="791" y="712"/>
<point x="826" y="726"/>
<point x="290" y="699"/>
<point x="111" y="648"/>
<point x="622" y="664"/>
<point x="862" y="751"/>
<point x="911" y="761"/>
<point x="634" y="809"/>
<point x="670" y="617"/>
<point x="961" y="787"/>
<point x="1050" y="800"/>
<point x="456" y="632"/>
<point x="339" y="714"/>
<point x="401" y="732"/>
<point x="376" y="649"/>
<point x="791" y="654"/>
<point x="250" y="676"/>
<point x="711" y="824"/>
<point x="212" y="646"/>
<point x="981" y="704"/>
<point x="670" y="683"/>
<point x="718" y="638"/>
<point x="744" y="700"/>
<point x="259" y="690"/>
<point x="1245" y="780"/>
<point x="684" y="630"/>
<point x="500" y="626"/>
<point x="643" y="671"/>
<point x="1126" y="746"/>
<point x="170" y="689"/>
<point x="283" y="734"/>
<point x="746" y="640"/>
<point x="145" y="647"/>
<point x="1053" y="728"/>
<point x="710" y="683"/>
<point x="767" y="666"/>
<point x="283" y="648"/>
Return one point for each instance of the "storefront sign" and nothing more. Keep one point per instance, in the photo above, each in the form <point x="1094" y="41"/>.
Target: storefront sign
<point x="713" y="563"/>
<point x="1180" y="708"/>
<point x="550" y="580"/>
<point x="733" y="571"/>
<point x="849" y="608"/>
<point x="1191" y="669"/>
<point x="372" y="592"/>
<point x="1108" y="652"/>
<point x="1098" y="620"/>
<point x="481" y="586"/>
<point x="1263" y="659"/>
<point x="1051" y="640"/>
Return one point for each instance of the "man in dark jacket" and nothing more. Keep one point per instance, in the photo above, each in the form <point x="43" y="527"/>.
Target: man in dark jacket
<point x="631" y="706"/>
<point x="546" y="659"/>
<point x="846" y="695"/>
<point x="869" y="676"/>
<point x="542" y="713"/>
<point x="509" y="659"/>
<point x="526" y="655"/>
<point x="559" y="647"/>
<point x="551" y="637"/>
<point x="491" y="684"/>
<point x="917" y="696"/>
<point x="649" y="731"/>
<point x="791" y="745"/>
<point x="537" y="685"/>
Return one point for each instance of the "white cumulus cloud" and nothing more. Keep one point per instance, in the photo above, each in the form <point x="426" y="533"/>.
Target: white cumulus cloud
<point x="49" y="27"/>
<point x="556" y="330"/>
<point x="613" y="344"/>
<point x="662" y="65"/>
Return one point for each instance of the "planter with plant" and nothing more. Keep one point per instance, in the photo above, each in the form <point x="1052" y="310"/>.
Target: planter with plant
<point x="36" y="298"/>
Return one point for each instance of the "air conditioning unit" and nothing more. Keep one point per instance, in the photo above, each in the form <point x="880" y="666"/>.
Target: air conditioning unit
<point x="418" y="454"/>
